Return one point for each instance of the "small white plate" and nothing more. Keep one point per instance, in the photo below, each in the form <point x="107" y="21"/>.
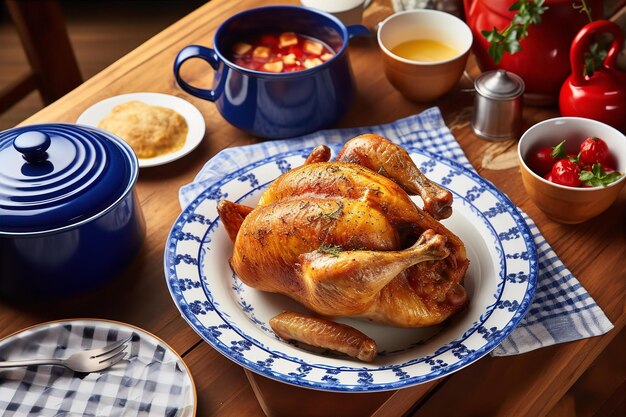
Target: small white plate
<point x="151" y="381"/>
<point x="94" y="114"/>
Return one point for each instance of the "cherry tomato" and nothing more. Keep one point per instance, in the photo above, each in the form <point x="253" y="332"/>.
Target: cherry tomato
<point x="548" y="176"/>
<point x="541" y="161"/>
<point x="594" y="150"/>
<point x="565" y="172"/>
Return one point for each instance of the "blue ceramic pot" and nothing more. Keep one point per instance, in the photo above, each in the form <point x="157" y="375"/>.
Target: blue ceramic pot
<point x="69" y="216"/>
<point x="280" y="105"/>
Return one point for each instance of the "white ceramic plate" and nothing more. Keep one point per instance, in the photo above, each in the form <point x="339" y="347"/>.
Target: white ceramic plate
<point x="94" y="114"/>
<point x="233" y="317"/>
<point x="151" y="380"/>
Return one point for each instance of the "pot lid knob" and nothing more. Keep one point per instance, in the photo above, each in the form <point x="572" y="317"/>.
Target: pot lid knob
<point x="57" y="175"/>
<point x="33" y="146"/>
<point x="499" y="85"/>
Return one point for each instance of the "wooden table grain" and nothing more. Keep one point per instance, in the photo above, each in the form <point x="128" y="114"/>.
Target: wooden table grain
<point x="524" y="385"/>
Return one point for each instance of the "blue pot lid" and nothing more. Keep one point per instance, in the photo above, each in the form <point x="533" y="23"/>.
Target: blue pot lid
<point x="57" y="175"/>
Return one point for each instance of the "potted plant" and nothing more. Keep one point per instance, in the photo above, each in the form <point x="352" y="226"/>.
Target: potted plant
<point x="531" y="38"/>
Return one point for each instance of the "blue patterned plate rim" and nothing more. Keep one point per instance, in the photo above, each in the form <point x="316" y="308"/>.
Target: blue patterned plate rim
<point x="445" y="348"/>
<point x="496" y="337"/>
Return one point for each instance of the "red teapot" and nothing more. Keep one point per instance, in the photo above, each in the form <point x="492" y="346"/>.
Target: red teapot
<point x="543" y="61"/>
<point x="601" y="96"/>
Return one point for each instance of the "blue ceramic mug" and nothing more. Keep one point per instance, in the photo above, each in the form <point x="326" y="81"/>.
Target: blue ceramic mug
<point x="277" y="105"/>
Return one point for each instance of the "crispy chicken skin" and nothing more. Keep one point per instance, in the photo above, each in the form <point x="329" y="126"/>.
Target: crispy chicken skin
<point x="392" y="161"/>
<point x="345" y="240"/>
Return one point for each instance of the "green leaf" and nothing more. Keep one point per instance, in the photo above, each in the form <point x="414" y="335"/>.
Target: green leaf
<point x="513" y="34"/>
<point x="535" y="20"/>
<point x="597" y="177"/>
<point x="612" y="177"/>
<point x="521" y="19"/>
<point x="594" y="182"/>
<point x="585" y="176"/>
<point x="492" y="35"/>
<point x="597" y="170"/>
<point x="541" y="9"/>
<point x="496" y="51"/>
<point x="528" y="12"/>
<point x="558" y="151"/>
<point x="512" y="47"/>
<point x="522" y="33"/>
<point x="593" y="58"/>
<point x="588" y="69"/>
<point x="535" y="10"/>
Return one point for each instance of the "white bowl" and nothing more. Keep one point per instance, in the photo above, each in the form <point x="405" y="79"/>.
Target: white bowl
<point x="562" y="203"/>
<point x="350" y="12"/>
<point x="419" y="80"/>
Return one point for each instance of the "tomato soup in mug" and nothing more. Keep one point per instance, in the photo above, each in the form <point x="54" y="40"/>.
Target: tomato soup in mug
<point x="280" y="52"/>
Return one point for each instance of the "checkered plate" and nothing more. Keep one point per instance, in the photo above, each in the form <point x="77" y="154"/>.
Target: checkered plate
<point x="152" y="380"/>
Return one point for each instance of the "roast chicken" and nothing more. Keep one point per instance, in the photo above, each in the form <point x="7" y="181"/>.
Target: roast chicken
<point x="344" y="238"/>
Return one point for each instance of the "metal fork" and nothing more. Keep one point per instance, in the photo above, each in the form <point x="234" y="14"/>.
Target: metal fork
<point x="91" y="360"/>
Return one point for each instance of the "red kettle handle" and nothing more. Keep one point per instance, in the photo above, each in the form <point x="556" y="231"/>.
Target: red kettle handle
<point x="582" y="42"/>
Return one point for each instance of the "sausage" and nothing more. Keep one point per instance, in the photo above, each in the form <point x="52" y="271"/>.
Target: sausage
<point x="316" y="331"/>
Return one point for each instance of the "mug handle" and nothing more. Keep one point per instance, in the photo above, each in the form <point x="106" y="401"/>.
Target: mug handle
<point x="357" y="30"/>
<point x="196" y="51"/>
<point x="581" y="44"/>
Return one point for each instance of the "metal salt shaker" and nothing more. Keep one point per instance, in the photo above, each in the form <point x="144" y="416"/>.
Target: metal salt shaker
<point x="498" y="105"/>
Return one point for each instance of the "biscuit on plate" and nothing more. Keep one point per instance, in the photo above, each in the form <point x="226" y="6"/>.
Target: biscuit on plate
<point x="150" y="130"/>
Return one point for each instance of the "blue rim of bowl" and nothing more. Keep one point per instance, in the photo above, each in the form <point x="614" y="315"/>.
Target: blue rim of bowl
<point x="404" y="383"/>
<point x="296" y="74"/>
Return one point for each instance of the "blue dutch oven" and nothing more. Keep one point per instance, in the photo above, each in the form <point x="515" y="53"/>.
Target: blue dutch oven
<point x="69" y="217"/>
<point x="277" y="105"/>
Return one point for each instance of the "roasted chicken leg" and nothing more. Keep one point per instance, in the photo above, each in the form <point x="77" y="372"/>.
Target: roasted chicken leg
<point x="392" y="161"/>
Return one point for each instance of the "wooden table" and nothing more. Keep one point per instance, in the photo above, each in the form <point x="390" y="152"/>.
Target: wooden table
<point x="525" y="385"/>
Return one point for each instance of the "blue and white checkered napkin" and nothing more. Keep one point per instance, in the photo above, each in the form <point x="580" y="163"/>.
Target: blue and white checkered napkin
<point x="561" y="311"/>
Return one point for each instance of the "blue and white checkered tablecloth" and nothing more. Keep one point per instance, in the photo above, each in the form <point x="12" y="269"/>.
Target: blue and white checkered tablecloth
<point x="561" y="311"/>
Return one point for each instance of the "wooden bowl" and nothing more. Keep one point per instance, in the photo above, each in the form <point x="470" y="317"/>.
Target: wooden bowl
<point x="564" y="204"/>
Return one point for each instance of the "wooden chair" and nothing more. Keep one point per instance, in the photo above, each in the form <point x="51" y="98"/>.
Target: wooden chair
<point x="54" y="69"/>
